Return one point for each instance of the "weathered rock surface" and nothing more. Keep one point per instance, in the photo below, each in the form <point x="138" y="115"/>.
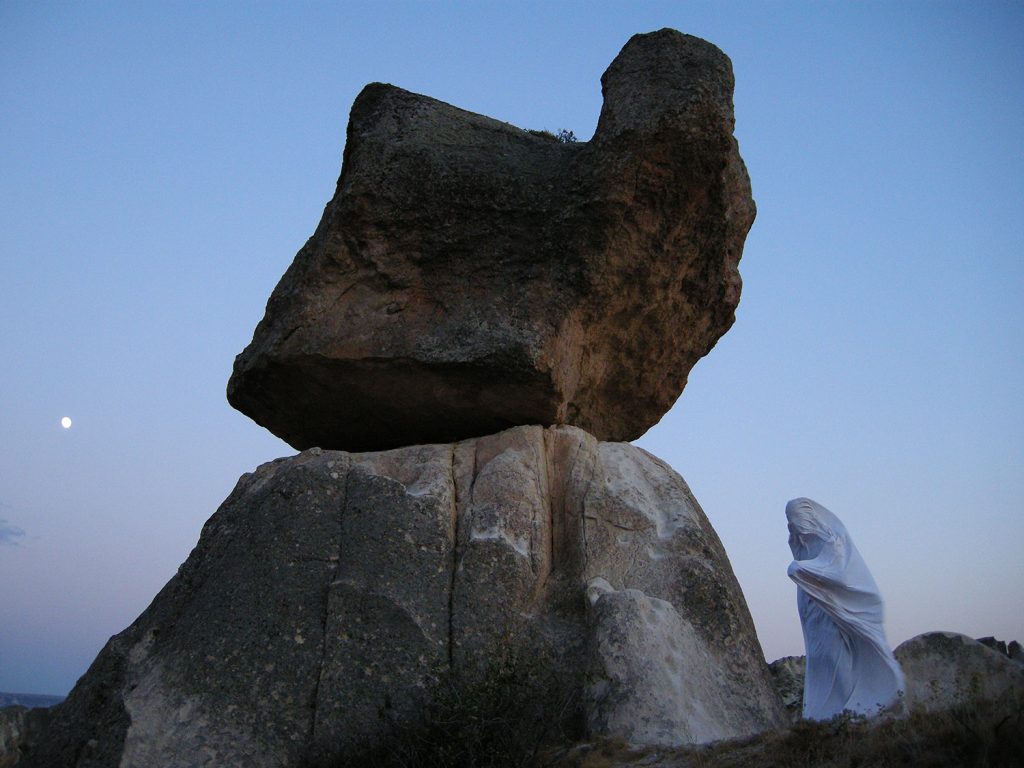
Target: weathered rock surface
<point x="469" y="276"/>
<point x="653" y="679"/>
<point x="1016" y="652"/>
<point x="945" y="670"/>
<point x="788" y="677"/>
<point x="1012" y="650"/>
<point x="20" y="730"/>
<point x="996" y="645"/>
<point x="332" y="592"/>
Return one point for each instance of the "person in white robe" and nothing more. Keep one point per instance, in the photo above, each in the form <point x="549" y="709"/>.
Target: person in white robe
<point x="850" y="666"/>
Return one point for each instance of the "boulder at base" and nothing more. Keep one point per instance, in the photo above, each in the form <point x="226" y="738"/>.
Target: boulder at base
<point x="942" y="670"/>
<point x="469" y="276"/>
<point x="333" y="595"/>
<point x="945" y="670"/>
<point x="788" y="676"/>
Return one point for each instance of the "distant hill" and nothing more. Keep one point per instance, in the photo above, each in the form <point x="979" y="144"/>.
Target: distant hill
<point x="29" y="699"/>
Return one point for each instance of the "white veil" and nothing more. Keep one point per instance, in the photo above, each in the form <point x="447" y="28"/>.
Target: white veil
<point x="849" y="663"/>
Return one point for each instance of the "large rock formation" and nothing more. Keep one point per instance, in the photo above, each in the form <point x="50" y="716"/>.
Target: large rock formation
<point x="333" y="594"/>
<point x="469" y="276"/>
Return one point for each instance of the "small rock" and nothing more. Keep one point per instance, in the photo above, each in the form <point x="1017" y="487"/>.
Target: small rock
<point x="945" y="670"/>
<point x="996" y="645"/>
<point x="1015" y="651"/>
<point x="788" y="677"/>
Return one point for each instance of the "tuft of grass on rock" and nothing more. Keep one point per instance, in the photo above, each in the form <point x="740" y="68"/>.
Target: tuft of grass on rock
<point x="562" y="137"/>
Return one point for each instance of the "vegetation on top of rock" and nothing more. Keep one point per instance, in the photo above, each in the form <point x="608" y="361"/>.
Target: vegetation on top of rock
<point x="563" y="135"/>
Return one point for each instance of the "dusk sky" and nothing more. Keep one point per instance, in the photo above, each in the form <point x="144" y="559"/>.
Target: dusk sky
<point x="162" y="162"/>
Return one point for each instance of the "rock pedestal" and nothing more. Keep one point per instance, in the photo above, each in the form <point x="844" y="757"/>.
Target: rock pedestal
<point x="333" y="595"/>
<point x="469" y="276"/>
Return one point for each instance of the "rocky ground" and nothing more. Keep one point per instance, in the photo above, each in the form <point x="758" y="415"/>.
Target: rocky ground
<point x="965" y="737"/>
<point x="989" y="734"/>
<point x="966" y="702"/>
<point x="965" y="705"/>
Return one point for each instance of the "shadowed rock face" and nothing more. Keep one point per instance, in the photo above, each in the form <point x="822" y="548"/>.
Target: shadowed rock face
<point x="469" y="276"/>
<point x="788" y="678"/>
<point x="20" y="729"/>
<point x="332" y="593"/>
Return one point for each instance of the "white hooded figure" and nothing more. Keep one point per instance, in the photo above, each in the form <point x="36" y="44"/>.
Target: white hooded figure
<point x="849" y="663"/>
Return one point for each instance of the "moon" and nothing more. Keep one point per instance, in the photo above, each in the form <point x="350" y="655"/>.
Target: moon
<point x="66" y="422"/>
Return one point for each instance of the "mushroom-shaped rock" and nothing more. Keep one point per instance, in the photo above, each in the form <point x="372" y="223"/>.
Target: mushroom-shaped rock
<point x="469" y="276"/>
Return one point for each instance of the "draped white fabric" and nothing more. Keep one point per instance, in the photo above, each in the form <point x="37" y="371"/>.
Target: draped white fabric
<point x="849" y="663"/>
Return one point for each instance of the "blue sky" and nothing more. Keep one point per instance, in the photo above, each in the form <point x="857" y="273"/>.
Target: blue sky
<point x="161" y="163"/>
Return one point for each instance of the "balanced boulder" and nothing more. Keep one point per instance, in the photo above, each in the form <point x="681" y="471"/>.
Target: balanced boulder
<point x="469" y="276"/>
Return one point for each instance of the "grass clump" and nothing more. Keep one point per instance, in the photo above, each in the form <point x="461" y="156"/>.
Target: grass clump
<point x="563" y="136"/>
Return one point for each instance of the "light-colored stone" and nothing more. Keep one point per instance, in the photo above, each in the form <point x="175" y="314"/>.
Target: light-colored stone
<point x="946" y="669"/>
<point x="654" y="681"/>
<point x="647" y="538"/>
<point x="470" y="276"/>
<point x="332" y="594"/>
